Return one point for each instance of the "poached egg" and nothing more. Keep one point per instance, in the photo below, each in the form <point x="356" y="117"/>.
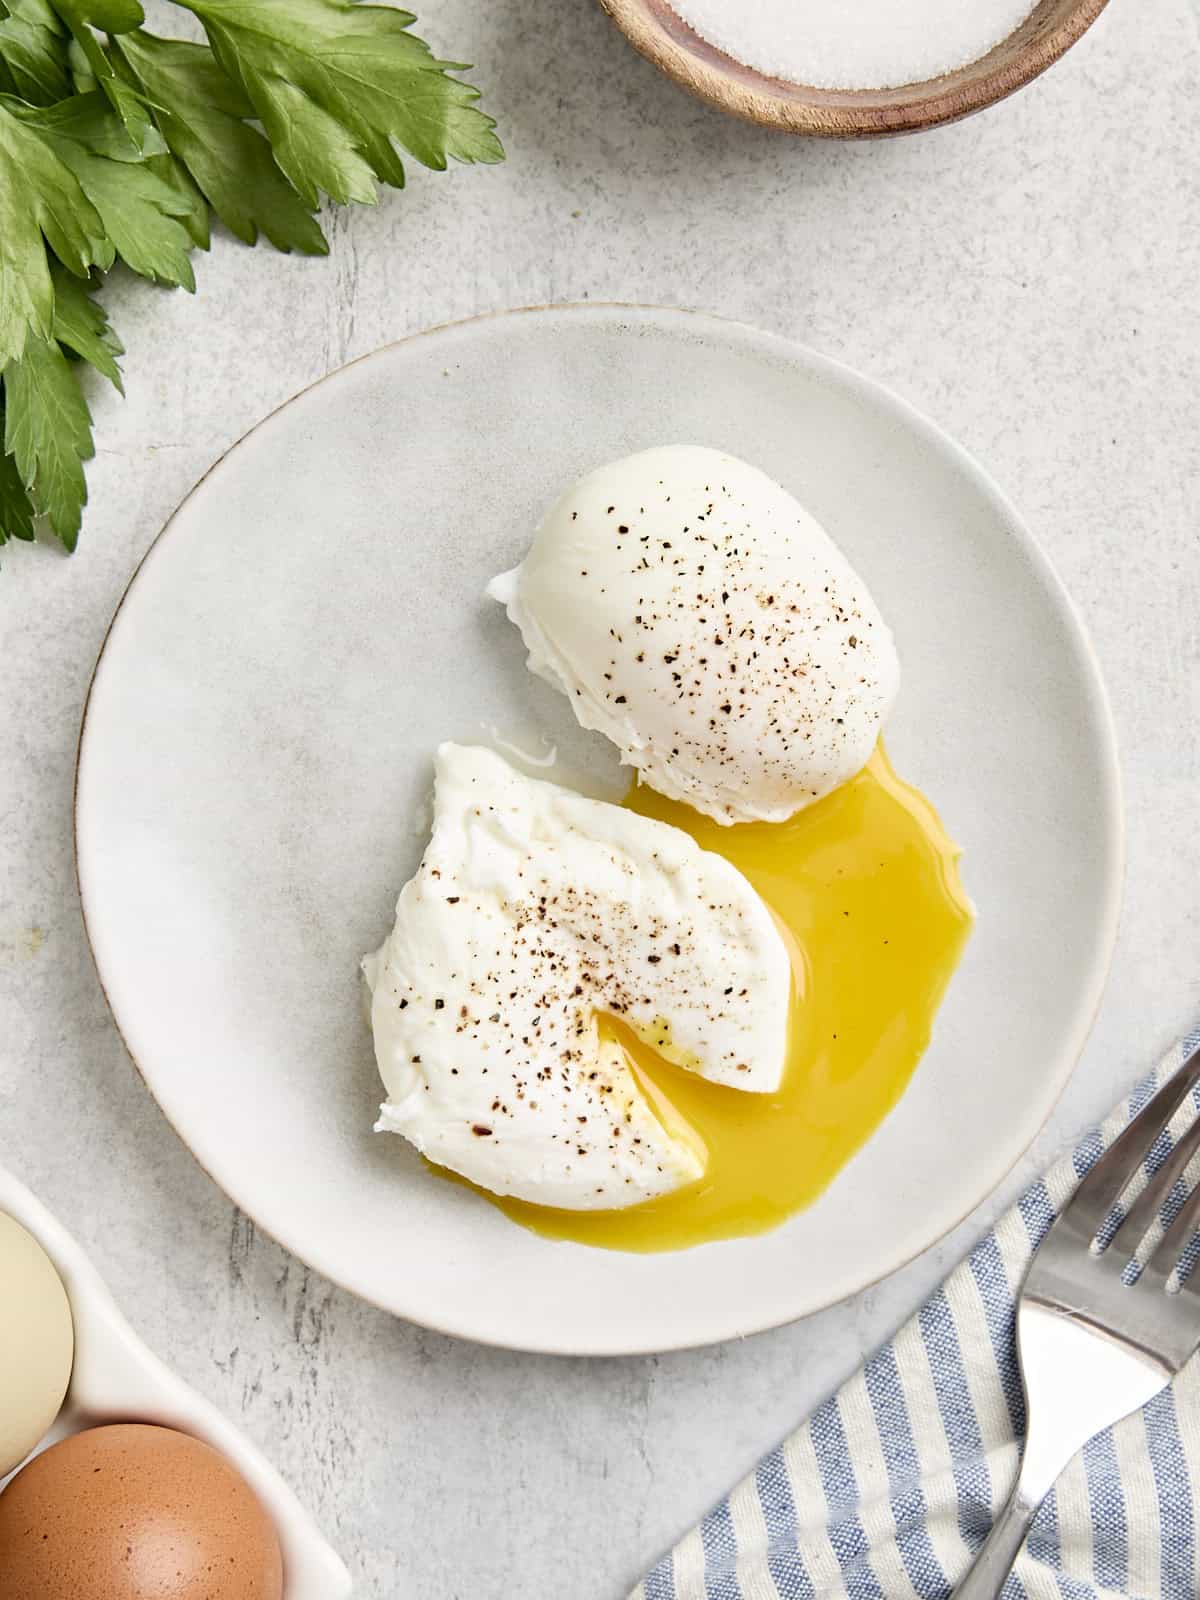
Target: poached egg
<point x="534" y="912"/>
<point x="695" y="613"/>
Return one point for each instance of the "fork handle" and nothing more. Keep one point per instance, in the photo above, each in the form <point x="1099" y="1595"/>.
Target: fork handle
<point x="986" y="1578"/>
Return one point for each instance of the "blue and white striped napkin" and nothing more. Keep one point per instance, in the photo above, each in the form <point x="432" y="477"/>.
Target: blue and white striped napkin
<point x="889" y="1489"/>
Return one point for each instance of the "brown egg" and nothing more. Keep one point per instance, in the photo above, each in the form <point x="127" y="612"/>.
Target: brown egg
<point x="131" y="1512"/>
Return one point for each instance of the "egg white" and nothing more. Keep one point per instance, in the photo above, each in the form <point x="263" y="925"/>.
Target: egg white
<point x="533" y="910"/>
<point x="693" y="612"/>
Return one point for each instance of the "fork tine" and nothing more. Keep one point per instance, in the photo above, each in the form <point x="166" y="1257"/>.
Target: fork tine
<point x="1145" y="1209"/>
<point x="1109" y="1178"/>
<point x="1176" y="1240"/>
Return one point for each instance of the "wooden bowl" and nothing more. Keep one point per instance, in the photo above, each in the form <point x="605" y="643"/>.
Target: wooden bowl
<point x="665" y="39"/>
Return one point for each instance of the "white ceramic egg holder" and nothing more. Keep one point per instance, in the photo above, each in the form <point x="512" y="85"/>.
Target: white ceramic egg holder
<point x="116" y="1379"/>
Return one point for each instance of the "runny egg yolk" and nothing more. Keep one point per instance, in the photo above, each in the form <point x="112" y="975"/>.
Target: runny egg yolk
<point x="865" y="885"/>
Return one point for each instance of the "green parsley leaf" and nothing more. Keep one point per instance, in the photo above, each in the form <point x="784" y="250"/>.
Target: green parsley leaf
<point x="82" y="75"/>
<point x="110" y="16"/>
<point x="83" y="326"/>
<point x="48" y="433"/>
<point x="141" y="214"/>
<point x="33" y="53"/>
<point x="334" y="83"/>
<point x="121" y="149"/>
<point x="140" y="211"/>
<point x="39" y="196"/>
<point x="16" y="513"/>
<point x="202" y="115"/>
<point x="195" y="215"/>
<point x="114" y="16"/>
<point x="87" y="120"/>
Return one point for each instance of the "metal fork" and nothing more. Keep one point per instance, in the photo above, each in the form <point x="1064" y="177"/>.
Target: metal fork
<point x="1094" y="1344"/>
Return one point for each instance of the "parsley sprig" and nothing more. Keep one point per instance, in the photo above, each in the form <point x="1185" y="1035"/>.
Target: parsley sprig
<point x="118" y="145"/>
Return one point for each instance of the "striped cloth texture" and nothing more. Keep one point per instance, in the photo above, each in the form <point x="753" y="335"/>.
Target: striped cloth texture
<point x="890" y="1487"/>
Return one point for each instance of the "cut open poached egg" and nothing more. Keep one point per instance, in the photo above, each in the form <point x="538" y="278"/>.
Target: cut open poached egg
<point x="534" y="912"/>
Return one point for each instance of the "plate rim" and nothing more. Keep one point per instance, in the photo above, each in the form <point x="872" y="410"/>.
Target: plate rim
<point x="1111" y="809"/>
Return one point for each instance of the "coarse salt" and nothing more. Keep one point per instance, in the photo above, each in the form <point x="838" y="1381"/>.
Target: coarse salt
<point x="854" y="44"/>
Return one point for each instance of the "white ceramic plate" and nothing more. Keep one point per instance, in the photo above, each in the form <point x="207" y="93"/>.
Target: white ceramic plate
<point x="116" y="1379"/>
<point x="255" y="764"/>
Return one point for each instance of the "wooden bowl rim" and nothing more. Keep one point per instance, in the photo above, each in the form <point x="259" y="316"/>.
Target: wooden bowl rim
<point x="659" y="34"/>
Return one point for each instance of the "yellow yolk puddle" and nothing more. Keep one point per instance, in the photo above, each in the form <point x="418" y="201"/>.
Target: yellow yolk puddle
<point x="865" y="885"/>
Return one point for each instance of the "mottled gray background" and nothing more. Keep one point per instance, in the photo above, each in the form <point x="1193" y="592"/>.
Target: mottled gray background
<point x="1030" y="279"/>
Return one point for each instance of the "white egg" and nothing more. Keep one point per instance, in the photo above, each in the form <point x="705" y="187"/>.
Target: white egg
<point x="533" y="910"/>
<point x="694" y="612"/>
